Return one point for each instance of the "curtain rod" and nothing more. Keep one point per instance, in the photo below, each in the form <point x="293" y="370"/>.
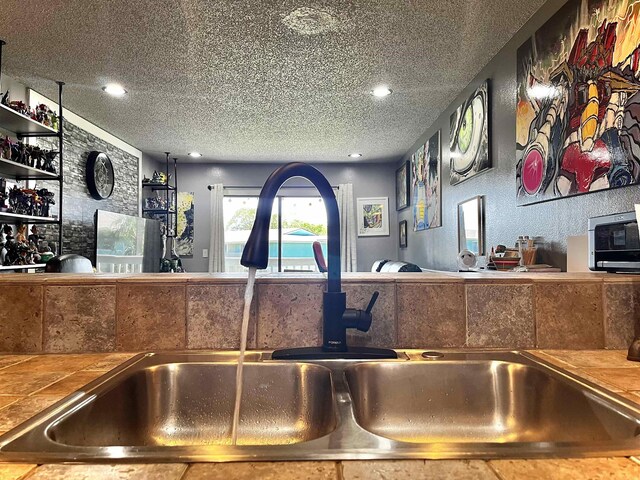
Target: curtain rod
<point x="210" y="187"/>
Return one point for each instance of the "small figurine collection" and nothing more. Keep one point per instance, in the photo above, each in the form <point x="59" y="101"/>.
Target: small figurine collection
<point x="158" y="178"/>
<point x="158" y="203"/>
<point x="26" y="201"/>
<point x="28" y="155"/>
<point x="19" y="249"/>
<point x="42" y="113"/>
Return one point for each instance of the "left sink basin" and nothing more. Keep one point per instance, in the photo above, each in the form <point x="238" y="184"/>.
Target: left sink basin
<point x="187" y="400"/>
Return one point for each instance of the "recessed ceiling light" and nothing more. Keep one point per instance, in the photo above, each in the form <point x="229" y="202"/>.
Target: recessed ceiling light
<point x="114" y="89"/>
<point x="195" y="154"/>
<point x="381" y="91"/>
<point x="355" y="155"/>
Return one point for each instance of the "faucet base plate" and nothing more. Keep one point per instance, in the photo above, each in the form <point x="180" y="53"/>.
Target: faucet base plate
<point x="318" y="353"/>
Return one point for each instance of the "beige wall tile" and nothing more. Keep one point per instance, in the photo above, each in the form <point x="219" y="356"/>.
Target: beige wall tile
<point x="383" y="328"/>
<point x="168" y="471"/>
<point x="150" y="317"/>
<point x="80" y="319"/>
<point x="417" y="470"/>
<point x="567" y="469"/>
<point x="20" y="318"/>
<point x="289" y="315"/>
<point x="621" y="313"/>
<point x="214" y="317"/>
<point x="263" y="471"/>
<point x="569" y="315"/>
<point x="431" y="315"/>
<point x="500" y="316"/>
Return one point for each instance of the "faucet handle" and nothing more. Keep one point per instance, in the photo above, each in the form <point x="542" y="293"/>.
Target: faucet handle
<point x="372" y="302"/>
<point x="360" y="319"/>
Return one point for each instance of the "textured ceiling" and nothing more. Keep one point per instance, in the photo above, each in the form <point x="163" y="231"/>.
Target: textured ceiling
<point x="264" y="80"/>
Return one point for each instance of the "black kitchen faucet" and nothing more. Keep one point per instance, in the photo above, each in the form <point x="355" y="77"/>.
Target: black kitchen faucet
<point x="337" y="318"/>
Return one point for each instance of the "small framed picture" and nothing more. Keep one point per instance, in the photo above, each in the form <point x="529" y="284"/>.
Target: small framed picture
<point x="373" y="217"/>
<point x="402" y="186"/>
<point x="402" y="232"/>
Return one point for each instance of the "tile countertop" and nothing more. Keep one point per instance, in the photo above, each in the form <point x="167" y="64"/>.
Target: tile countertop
<point x="352" y="277"/>
<point x="51" y="377"/>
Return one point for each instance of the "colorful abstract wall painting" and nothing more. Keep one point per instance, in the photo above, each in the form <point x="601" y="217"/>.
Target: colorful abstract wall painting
<point x="578" y="105"/>
<point x="469" y="137"/>
<point x="426" y="185"/>
<point x="184" y="235"/>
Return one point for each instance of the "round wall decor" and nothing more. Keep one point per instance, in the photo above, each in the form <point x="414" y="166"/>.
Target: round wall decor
<point x="100" y="175"/>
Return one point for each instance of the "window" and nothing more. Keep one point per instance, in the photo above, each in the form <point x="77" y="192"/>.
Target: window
<point x="304" y="221"/>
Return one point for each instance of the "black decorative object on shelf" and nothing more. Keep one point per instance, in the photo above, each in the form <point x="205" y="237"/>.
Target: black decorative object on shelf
<point x="100" y="175"/>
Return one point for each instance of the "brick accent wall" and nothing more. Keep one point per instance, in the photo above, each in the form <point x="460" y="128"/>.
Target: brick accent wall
<point x="78" y="206"/>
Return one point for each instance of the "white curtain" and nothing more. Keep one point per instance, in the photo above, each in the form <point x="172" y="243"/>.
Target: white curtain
<point x="348" y="256"/>
<point x="216" y="245"/>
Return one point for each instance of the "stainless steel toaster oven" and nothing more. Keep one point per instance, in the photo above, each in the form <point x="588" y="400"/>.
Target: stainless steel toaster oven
<point x="614" y="243"/>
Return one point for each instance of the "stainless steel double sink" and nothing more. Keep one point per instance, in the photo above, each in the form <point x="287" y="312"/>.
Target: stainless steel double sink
<point x="179" y="406"/>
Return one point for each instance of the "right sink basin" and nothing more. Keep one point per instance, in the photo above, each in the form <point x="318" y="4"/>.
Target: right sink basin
<point x="480" y="401"/>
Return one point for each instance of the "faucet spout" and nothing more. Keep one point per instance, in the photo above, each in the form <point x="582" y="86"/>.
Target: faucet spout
<point x="256" y="251"/>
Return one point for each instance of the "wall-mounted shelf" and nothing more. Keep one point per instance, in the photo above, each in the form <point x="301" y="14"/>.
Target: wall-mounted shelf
<point x="8" y="217"/>
<point x="24" y="127"/>
<point x="22" y="267"/>
<point x="158" y="186"/>
<point x="21" y="124"/>
<point x="158" y="211"/>
<point x="24" y="172"/>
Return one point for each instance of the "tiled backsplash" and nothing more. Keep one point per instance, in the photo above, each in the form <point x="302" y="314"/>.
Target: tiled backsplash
<point x="104" y="314"/>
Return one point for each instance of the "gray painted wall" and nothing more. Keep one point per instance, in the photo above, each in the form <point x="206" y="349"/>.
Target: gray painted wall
<point x="148" y="165"/>
<point x="555" y="220"/>
<point x="369" y="180"/>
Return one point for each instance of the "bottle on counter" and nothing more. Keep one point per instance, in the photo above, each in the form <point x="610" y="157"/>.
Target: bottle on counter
<point x="520" y="244"/>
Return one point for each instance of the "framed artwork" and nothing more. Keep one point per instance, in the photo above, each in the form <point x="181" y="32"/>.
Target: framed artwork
<point x="578" y="103"/>
<point x="426" y="186"/>
<point x="402" y="233"/>
<point x="469" y="136"/>
<point x="402" y="186"/>
<point x="184" y="235"/>
<point x="373" y="217"/>
<point x="471" y="225"/>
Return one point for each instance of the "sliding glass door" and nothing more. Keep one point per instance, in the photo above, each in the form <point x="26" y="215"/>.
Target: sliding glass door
<point x="296" y="223"/>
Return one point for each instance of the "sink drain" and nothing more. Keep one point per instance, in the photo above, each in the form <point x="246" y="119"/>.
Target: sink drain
<point x="432" y="355"/>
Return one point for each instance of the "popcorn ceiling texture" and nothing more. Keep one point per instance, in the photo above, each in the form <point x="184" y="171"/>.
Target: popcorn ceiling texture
<point x="232" y="80"/>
